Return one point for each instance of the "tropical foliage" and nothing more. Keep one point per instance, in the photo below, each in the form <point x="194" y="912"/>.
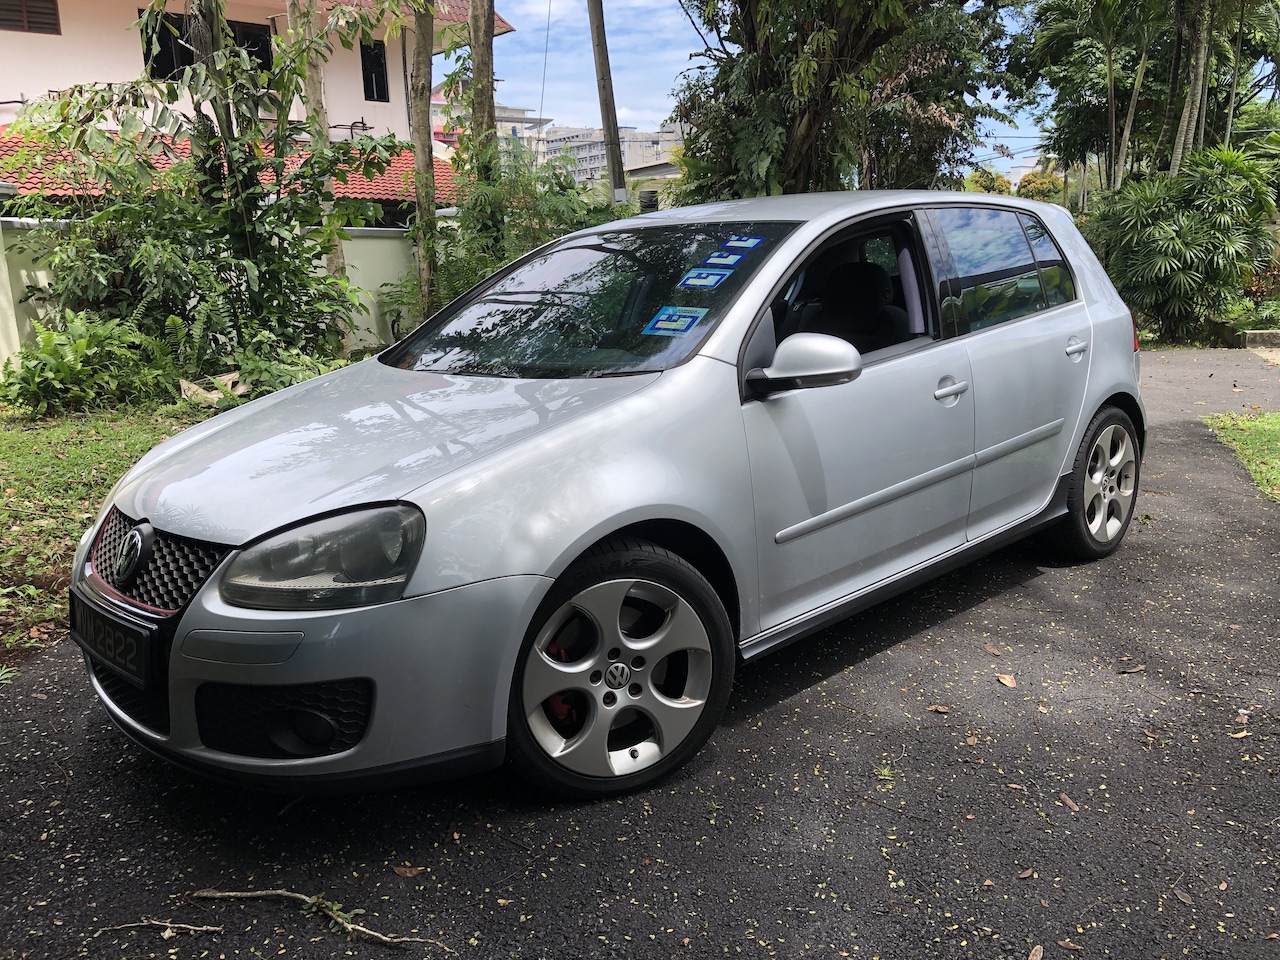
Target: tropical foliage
<point x="824" y="94"/>
<point x="1181" y="248"/>
<point x="1041" y="185"/>
<point x="198" y="227"/>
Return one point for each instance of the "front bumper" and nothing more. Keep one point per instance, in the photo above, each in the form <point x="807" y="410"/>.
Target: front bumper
<point x="439" y="668"/>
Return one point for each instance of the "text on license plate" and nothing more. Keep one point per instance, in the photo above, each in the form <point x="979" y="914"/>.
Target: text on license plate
<point x="124" y="648"/>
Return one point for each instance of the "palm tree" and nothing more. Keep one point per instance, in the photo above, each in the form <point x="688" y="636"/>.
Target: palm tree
<point x="1109" y="22"/>
<point x="1149" y="21"/>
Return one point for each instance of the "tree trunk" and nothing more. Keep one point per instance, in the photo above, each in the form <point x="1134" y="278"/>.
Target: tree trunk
<point x="302" y="23"/>
<point x="424" y="172"/>
<point x="483" y="125"/>
<point x="241" y="180"/>
<point x="1182" y="141"/>
<point x="484" y="134"/>
<point x="1235" y="80"/>
<point x="1201" y="116"/>
<point x="1175" y="80"/>
<point x="1118" y="177"/>
<point x="1112" y="152"/>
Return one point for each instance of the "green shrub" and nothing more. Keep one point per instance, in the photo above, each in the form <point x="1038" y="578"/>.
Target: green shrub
<point x="87" y="362"/>
<point x="204" y="211"/>
<point x="1182" y="249"/>
<point x="267" y="365"/>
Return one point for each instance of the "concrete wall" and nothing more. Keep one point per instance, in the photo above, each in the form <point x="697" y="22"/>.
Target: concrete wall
<point x="17" y="272"/>
<point x="374" y="256"/>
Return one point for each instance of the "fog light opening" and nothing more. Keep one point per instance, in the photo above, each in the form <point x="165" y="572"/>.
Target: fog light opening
<point x="303" y="733"/>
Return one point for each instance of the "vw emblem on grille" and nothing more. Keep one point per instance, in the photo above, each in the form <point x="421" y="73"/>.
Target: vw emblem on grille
<point x="617" y="676"/>
<point x="133" y="556"/>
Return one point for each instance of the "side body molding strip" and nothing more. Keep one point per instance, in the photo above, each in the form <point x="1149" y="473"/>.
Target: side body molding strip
<point x="914" y="484"/>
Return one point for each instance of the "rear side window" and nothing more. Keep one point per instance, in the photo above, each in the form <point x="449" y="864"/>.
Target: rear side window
<point x="1058" y="286"/>
<point x="998" y="275"/>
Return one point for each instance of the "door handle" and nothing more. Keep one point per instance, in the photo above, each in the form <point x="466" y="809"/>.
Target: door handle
<point x="953" y="389"/>
<point x="1076" y="347"/>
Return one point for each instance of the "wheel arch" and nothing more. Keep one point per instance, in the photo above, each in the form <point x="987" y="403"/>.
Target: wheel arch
<point x="1133" y="409"/>
<point x="697" y="547"/>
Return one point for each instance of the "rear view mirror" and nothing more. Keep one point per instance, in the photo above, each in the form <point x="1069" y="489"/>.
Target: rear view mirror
<point x="806" y="360"/>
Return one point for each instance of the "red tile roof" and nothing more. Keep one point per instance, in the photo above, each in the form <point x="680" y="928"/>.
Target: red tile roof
<point x="394" y="184"/>
<point x="451" y="11"/>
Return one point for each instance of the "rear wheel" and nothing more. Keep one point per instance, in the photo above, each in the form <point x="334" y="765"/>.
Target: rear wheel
<point x="1103" y="487"/>
<point x="624" y="673"/>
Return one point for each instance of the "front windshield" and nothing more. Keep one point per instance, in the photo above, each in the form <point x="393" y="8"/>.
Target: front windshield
<point x="594" y="305"/>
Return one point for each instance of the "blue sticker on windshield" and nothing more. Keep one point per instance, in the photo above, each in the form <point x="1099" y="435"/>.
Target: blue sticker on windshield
<point x="722" y="258"/>
<point x="742" y="243"/>
<point x="675" y="321"/>
<point x="705" y="278"/>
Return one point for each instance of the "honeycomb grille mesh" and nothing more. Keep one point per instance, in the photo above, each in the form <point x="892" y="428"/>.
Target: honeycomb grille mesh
<point x="148" y="707"/>
<point x="176" y="570"/>
<point x="253" y="721"/>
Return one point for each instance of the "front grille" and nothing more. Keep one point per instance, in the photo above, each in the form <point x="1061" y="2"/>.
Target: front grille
<point x="178" y="567"/>
<point x="281" y="722"/>
<point x="148" y="707"/>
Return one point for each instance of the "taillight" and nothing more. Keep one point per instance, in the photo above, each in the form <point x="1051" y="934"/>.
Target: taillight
<point x="1134" y="320"/>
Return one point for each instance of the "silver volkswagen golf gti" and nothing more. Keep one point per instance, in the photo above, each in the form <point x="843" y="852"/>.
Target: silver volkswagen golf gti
<point x="550" y="524"/>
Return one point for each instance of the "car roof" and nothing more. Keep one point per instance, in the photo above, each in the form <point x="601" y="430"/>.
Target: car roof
<point x="804" y="207"/>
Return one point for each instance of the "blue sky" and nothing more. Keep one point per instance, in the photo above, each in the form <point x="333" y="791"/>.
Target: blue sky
<point x="649" y="46"/>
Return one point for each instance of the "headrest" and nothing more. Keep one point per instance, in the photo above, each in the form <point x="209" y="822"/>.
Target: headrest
<point x="868" y="283"/>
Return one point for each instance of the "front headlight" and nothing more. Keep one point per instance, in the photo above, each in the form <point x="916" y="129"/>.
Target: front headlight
<point x="350" y="560"/>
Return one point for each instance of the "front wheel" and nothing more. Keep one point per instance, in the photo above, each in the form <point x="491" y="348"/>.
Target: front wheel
<point x="1102" y="489"/>
<point x="624" y="673"/>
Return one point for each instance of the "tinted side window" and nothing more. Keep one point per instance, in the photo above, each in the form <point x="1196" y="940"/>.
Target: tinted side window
<point x="998" y="277"/>
<point x="1058" y="287"/>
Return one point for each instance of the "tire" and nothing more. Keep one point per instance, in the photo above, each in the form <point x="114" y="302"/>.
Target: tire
<point x="625" y="671"/>
<point x="1103" y="488"/>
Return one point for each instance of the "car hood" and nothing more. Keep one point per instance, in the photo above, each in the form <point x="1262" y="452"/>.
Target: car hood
<point x="365" y="434"/>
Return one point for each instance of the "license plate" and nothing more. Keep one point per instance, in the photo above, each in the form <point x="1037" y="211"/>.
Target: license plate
<point x="122" y="646"/>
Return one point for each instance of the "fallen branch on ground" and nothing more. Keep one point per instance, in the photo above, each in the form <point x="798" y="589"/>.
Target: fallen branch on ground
<point x="171" y="929"/>
<point x="339" y="918"/>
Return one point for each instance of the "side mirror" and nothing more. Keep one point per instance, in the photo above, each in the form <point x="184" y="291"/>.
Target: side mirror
<point x="806" y="360"/>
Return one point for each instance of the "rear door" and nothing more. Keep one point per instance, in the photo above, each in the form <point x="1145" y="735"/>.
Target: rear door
<point x="1029" y="340"/>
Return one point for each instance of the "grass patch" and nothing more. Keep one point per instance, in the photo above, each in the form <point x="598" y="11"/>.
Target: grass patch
<point x="55" y="475"/>
<point x="1256" y="441"/>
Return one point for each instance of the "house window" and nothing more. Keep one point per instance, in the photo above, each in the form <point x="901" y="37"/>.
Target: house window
<point x="174" y="53"/>
<point x="30" y="16"/>
<point x="373" y="64"/>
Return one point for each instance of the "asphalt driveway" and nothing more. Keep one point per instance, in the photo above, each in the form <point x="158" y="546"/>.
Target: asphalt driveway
<point x="876" y="791"/>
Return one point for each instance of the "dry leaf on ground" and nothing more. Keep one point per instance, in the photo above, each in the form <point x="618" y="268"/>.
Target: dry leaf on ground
<point x="1068" y="945"/>
<point x="1182" y="895"/>
<point x="1037" y="953"/>
<point x="937" y="708"/>
<point x="1135" y="669"/>
<point x="994" y="651"/>
<point x="1071" y="804"/>
<point x="409" y="871"/>
<point x="1026" y="874"/>
<point x="1007" y="679"/>
<point x="1240" y="736"/>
